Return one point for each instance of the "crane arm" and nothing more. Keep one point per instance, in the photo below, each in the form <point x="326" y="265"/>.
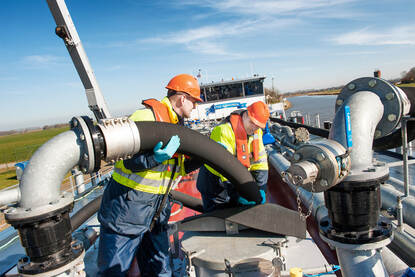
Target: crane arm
<point x="66" y="30"/>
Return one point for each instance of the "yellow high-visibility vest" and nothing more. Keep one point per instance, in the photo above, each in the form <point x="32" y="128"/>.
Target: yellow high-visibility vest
<point x="154" y="180"/>
<point x="224" y="134"/>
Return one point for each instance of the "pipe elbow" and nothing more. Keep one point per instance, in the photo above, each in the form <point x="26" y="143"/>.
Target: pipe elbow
<point x="366" y="110"/>
<point x="47" y="168"/>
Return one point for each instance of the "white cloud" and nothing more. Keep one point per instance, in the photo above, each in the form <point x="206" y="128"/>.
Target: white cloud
<point x="207" y="32"/>
<point x="206" y="47"/>
<point x="205" y="39"/>
<point x="402" y="35"/>
<point x="34" y="61"/>
<point x="268" y="7"/>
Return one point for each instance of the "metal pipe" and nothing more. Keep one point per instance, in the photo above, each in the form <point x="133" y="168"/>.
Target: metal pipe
<point x="403" y="245"/>
<point x="280" y="163"/>
<point x="366" y="110"/>
<point x="389" y="195"/>
<point x="317" y="120"/>
<point x="40" y="184"/>
<point x="405" y="155"/>
<point x="392" y="262"/>
<point x="319" y="211"/>
<point x="316" y="202"/>
<point x="361" y="262"/>
<point x="399" y="185"/>
<point x="9" y="196"/>
<point x="79" y="180"/>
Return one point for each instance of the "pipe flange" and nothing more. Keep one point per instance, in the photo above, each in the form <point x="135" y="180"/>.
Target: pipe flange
<point x="378" y="171"/>
<point x="21" y="215"/>
<point x="376" y="238"/>
<point x="394" y="100"/>
<point x="324" y="156"/>
<point x="97" y="141"/>
<point x="74" y="267"/>
<point x="122" y="138"/>
<point x="87" y="161"/>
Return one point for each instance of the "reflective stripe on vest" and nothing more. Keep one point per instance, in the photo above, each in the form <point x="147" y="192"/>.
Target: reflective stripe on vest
<point x="156" y="179"/>
<point x="242" y="151"/>
<point x="153" y="181"/>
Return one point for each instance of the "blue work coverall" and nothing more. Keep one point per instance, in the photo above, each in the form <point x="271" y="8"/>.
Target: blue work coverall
<point x="127" y="210"/>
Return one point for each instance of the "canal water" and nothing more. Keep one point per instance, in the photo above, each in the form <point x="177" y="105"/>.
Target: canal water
<point x="313" y="105"/>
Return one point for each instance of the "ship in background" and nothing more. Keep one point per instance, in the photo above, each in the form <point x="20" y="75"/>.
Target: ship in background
<point x="334" y="207"/>
<point x="221" y="98"/>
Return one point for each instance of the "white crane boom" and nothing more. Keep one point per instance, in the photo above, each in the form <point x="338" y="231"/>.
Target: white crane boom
<point x="66" y="30"/>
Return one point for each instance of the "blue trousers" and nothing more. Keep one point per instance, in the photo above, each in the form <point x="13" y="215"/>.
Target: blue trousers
<point x="116" y="253"/>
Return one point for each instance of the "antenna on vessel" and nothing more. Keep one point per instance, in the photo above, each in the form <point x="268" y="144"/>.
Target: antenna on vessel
<point x="199" y="76"/>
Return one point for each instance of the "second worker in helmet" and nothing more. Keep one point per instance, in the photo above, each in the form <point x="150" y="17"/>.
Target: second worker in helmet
<point x="241" y="135"/>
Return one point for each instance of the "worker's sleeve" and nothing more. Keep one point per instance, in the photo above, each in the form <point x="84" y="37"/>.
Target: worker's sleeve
<point x="192" y="164"/>
<point x="223" y="133"/>
<point x="261" y="178"/>
<point x="141" y="162"/>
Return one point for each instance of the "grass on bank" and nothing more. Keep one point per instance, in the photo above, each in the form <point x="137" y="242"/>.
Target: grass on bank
<point x="19" y="147"/>
<point x="7" y="178"/>
<point x="407" y="85"/>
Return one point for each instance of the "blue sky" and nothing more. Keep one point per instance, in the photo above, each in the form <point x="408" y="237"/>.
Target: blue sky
<point x="135" y="47"/>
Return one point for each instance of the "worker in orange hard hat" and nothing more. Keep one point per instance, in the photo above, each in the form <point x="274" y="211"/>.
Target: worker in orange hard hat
<point x="184" y="84"/>
<point x="240" y="134"/>
<point x="134" y="213"/>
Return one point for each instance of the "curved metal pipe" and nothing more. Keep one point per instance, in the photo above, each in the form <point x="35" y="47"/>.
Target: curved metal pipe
<point x="366" y="110"/>
<point x="346" y="258"/>
<point x="40" y="184"/>
<point x="390" y="141"/>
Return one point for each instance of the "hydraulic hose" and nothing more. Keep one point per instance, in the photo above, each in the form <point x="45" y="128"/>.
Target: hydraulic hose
<point x="196" y="145"/>
<point x="188" y="201"/>
<point x="85" y="213"/>
<point x="193" y="144"/>
<point x="92" y="207"/>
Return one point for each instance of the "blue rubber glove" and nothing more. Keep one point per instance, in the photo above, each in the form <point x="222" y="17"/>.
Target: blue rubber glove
<point x="161" y="155"/>
<point x="223" y="145"/>
<point x="245" y="202"/>
<point x="267" y="138"/>
<point x="263" y="196"/>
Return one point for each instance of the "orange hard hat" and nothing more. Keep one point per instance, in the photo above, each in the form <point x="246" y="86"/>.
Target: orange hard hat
<point x="258" y="112"/>
<point x="185" y="83"/>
